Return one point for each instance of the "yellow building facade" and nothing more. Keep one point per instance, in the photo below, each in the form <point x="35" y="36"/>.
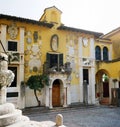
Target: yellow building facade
<point x="31" y="44"/>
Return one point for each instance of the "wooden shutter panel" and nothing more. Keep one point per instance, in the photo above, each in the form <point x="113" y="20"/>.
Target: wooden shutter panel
<point x="60" y="59"/>
<point x="48" y="59"/>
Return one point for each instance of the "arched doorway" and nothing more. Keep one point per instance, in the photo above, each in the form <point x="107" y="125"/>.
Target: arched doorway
<point x="56" y="93"/>
<point x="102" y="87"/>
<point x="105" y="81"/>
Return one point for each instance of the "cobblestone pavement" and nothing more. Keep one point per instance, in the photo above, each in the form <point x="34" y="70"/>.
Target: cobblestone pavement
<point x="100" y="116"/>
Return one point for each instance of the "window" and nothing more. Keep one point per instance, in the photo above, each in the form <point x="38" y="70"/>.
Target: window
<point x="55" y="60"/>
<point x="86" y="75"/>
<point x="12" y="46"/>
<point x="14" y="70"/>
<point x="97" y="53"/>
<point x="105" y="54"/>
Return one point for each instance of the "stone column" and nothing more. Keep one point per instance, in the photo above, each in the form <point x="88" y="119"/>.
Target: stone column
<point x="68" y="94"/>
<point x="80" y="46"/>
<point x="21" y="69"/>
<point x="102" y="53"/>
<point x="80" y="68"/>
<point x="50" y="98"/>
<point x="92" y="85"/>
<point x="64" y="98"/>
<point x="47" y="96"/>
<point x="21" y="44"/>
<point x="110" y="53"/>
<point x="81" y="83"/>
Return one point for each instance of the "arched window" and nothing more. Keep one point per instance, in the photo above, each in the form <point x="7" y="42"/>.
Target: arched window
<point x="105" y="54"/>
<point x="98" y="53"/>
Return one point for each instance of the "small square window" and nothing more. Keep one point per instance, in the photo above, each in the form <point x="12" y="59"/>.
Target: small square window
<point x="12" y="46"/>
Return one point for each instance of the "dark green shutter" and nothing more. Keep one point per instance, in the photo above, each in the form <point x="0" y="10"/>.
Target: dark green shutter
<point x="60" y="59"/>
<point x="48" y="59"/>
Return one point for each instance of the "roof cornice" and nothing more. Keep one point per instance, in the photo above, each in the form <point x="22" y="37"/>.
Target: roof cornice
<point x="111" y="33"/>
<point x="25" y="20"/>
<point x="62" y="27"/>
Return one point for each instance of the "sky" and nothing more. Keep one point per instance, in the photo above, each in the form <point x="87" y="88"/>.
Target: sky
<point x="94" y="15"/>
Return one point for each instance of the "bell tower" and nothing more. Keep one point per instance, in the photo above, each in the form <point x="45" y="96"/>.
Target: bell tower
<point x="51" y="15"/>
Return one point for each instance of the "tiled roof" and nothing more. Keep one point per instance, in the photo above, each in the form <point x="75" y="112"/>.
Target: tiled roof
<point x="49" y="25"/>
<point x="8" y="17"/>
<point x="62" y="27"/>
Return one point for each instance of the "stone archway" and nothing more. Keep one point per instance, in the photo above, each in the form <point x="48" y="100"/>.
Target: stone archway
<point x="63" y="83"/>
<point x="102" y="89"/>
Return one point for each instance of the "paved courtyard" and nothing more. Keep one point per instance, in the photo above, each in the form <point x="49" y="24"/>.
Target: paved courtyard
<point x="101" y="116"/>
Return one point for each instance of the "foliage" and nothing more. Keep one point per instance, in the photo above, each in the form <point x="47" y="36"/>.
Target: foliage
<point x="105" y="78"/>
<point x="37" y="83"/>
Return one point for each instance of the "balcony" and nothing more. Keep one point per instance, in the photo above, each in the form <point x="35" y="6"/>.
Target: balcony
<point x="65" y="69"/>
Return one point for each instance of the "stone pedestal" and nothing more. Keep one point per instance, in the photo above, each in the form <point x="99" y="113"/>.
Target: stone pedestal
<point x="9" y="116"/>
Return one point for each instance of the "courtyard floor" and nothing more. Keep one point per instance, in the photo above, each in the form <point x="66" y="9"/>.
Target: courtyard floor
<point x="93" y="116"/>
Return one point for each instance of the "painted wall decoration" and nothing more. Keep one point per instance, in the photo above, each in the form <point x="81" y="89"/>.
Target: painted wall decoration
<point x="34" y="64"/>
<point x="13" y="31"/>
<point x="35" y="36"/>
<point x="34" y="55"/>
<point x="28" y="37"/>
<point x="72" y="52"/>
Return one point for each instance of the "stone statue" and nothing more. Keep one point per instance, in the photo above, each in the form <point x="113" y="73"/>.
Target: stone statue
<point x="9" y="116"/>
<point x="6" y="77"/>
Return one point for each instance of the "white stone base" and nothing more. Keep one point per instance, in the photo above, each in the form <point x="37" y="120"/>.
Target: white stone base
<point x="33" y="124"/>
<point x="6" y="108"/>
<point x="14" y="118"/>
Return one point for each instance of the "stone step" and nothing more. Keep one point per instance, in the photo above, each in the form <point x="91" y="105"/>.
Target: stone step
<point x="10" y="118"/>
<point x="105" y="101"/>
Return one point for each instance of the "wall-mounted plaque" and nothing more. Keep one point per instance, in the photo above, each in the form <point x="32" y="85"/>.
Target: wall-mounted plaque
<point x="85" y="42"/>
<point x="54" y="42"/>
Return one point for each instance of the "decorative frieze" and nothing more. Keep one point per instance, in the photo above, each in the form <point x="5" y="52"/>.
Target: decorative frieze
<point x="87" y="62"/>
<point x="14" y="57"/>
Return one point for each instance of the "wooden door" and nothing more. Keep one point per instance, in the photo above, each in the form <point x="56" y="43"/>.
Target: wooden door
<point x="56" y="95"/>
<point x="105" y="89"/>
